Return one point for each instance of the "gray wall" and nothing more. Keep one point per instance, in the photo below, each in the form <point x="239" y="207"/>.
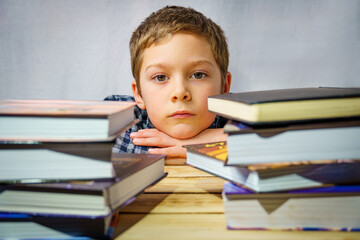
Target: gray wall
<point x="78" y="49"/>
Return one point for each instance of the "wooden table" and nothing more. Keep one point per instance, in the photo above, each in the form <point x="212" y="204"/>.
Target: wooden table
<point x="187" y="205"/>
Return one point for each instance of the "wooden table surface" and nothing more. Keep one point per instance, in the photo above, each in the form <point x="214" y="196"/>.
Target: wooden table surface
<point x="187" y="205"/>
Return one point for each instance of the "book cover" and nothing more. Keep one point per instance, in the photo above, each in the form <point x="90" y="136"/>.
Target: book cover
<point x="216" y="150"/>
<point x="134" y="172"/>
<point x="211" y="157"/>
<point x="324" y="208"/>
<point x="62" y="108"/>
<point x="274" y="176"/>
<point x="298" y="142"/>
<point x="233" y="127"/>
<point x="63" y="120"/>
<point x="287" y="105"/>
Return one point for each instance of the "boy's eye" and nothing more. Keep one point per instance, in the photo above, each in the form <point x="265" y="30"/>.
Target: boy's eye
<point x="160" y="78"/>
<point x="198" y="75"/>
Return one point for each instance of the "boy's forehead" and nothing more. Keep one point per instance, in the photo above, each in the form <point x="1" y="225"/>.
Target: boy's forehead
<point x="192" y="48"/>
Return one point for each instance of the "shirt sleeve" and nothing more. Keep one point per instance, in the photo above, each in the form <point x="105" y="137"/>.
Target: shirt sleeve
<point x="123" y="142"/>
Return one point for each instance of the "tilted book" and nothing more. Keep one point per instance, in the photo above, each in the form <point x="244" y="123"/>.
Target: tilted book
<point x="212" y="157"/>
<point x="133" y="173"/>
<point x="297" y="142"/>
<point x="63" y="120"/>
<point x="325" y="208"/>
<point x="287" y="105"/>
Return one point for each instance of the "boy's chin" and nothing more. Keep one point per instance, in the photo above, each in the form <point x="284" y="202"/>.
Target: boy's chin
<point x="184" y="133"/>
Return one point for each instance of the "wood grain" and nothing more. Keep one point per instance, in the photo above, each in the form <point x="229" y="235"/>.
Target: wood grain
<point x="188" y="185"/>
<point x="185" y="171"/>
<point x="212" y="226"/>
<point x="176" y="203"/>
<point x="187" y="205"/>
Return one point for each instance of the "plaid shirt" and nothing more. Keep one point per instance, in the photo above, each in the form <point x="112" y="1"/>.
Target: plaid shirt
<point x="124" y="143"/>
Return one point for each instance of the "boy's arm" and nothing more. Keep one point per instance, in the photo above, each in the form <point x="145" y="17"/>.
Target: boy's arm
<point x="173" y="147"/>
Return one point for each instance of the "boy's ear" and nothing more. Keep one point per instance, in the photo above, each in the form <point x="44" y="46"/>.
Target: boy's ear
<point x="139" y="100"/>
<point x="227" y="83"/>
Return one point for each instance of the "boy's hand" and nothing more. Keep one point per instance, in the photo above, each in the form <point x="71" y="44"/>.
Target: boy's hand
<point x="173" y="147"/>
<point x="154" y="138"/>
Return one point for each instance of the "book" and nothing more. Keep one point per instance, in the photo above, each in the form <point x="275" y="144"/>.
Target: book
<point x="31" y="162"/>
<point x="287" y="105"/>
<point x="134" y="172"/>
<point x="63" y="120"/>
<point x="298" y="142"/>
<point x="268" y="177"/>
<point x="43" y="226"/>
<point x="325" y="208"/>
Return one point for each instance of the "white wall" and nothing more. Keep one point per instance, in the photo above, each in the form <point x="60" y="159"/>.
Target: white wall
<point x="78" y="49"/>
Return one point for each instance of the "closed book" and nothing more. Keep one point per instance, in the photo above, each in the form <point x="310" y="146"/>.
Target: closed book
<point x="63" y="120"/>
<point x="55" y="161"/>
<point x="133" y="173"/>
<point x="298" y="142"/>
<point x="325" y="208"/>
<point x="268" y="177"/>
<point x="50" y="226"/>
<point x="287" y="105"/>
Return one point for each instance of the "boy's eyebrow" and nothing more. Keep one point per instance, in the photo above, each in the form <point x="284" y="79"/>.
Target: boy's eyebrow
<point x="199" y="62"/>
<point x="158" y="65"/>
<point x="191" y="63"/>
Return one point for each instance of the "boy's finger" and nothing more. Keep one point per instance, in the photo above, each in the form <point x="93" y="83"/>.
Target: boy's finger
<point x="151" y="142"/>
<point x="176" y="151"/>
<point x="146" y="133"/>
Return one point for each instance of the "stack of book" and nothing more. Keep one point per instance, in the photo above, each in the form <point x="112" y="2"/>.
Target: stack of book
<point x="292" y="158"/>
<point x="58" y="176"/>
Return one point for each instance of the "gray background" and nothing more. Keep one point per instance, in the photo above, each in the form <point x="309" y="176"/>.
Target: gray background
<point x="78" y="49"/>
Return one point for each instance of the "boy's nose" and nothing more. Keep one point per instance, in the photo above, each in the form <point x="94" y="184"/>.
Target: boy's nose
<point x="181" y="92"/>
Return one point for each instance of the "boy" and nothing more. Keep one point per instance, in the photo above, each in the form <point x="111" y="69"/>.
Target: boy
<point x="178" y="58"/>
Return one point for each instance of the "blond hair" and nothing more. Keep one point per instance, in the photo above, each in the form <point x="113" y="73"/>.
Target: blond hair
<point x="173" y="19"/>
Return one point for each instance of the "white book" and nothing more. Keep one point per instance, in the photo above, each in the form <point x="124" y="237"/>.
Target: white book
<point x="327" y="208"/>
<point x="294" y="143"/>
<point x="63" y="120"/>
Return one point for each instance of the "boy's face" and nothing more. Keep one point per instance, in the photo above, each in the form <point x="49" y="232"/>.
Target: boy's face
<point x="176" y="77"/>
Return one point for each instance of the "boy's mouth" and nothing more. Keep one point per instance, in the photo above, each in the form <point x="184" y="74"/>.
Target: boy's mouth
<point x="181" y="114"/>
